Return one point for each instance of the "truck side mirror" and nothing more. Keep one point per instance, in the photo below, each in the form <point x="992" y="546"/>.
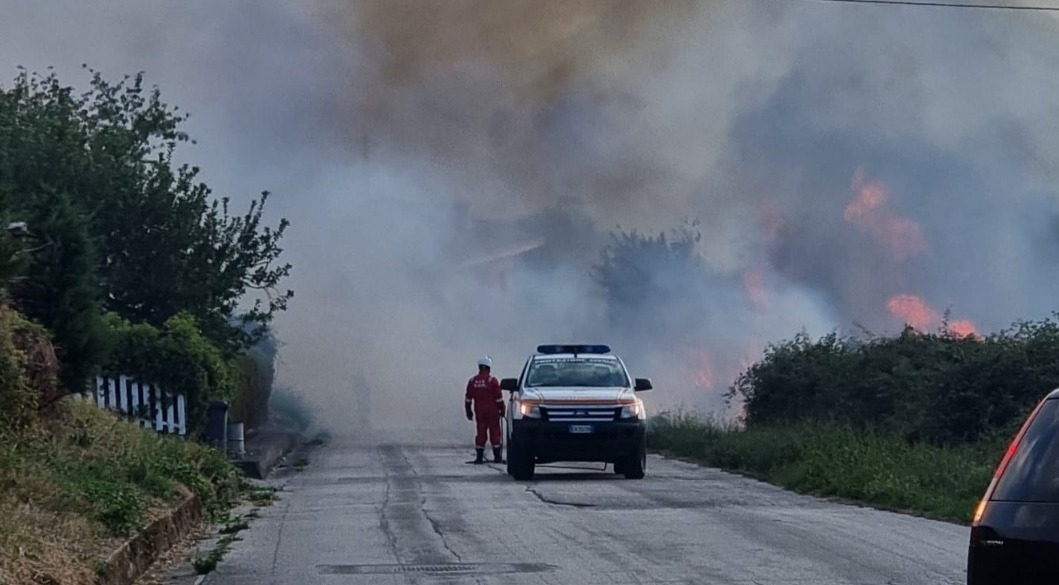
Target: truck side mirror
<point x="509" y="384"/>
<point x="643" y="384"/>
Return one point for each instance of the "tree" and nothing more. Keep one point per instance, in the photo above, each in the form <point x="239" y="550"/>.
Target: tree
<point x="163" y="244"/>
<point x="60" y="290"/>
<point x="662" y="273"/>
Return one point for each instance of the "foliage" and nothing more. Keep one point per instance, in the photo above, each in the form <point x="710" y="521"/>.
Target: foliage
<point x="177" y="357"/>
<point x="163" y="244"/>
<point x="934" y="387"/>
<point x="13" y="257"/>
<point x="132" y="267"/>
<point x="660" y="271"/>
<point x="833" y="460"/>
<point x="256" y="374"/>
<point x="114" y="471"/>
<point x="19" y="399"/>
<point x="293" y="407"/>
<point x="60" y="290"/>
<point x="100" y="475"/>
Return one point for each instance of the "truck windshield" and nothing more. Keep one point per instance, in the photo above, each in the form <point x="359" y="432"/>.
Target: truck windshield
<point x="574" y="372"/>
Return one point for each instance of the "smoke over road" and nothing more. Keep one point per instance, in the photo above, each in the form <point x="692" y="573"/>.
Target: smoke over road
<point x="451" y="171"/>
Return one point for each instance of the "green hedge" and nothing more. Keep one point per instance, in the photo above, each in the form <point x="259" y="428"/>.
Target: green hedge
<point x="934" y="387"/>
<point x="177" y="357"/>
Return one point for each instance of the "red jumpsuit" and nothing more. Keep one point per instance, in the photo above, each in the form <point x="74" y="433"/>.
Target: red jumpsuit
<point x="484" y="391"/>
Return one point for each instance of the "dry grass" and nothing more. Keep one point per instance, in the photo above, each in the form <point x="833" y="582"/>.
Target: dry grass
<point x="71" y="494"/>
<point x="40" y="546"/>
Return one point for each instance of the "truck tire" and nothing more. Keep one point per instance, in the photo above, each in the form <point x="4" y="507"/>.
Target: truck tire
<point x="635" y="467"/>
<point x="511" y="454"/>
<point x="522" y="465"/>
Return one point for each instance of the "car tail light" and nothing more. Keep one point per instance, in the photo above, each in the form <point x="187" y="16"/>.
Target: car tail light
<point x="1012" y="450"/>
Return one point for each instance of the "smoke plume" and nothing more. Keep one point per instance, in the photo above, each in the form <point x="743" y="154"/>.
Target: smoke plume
<point x="452" y="171"/>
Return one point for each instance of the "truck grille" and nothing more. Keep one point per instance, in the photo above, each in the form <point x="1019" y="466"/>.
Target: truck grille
<point x="580" y="413"/>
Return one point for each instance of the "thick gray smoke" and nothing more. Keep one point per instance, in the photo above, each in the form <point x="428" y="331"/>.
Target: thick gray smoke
<point x="452" y="170"/>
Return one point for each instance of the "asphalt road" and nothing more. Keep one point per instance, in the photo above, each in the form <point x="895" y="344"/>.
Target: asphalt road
<point x="362" y="513"/>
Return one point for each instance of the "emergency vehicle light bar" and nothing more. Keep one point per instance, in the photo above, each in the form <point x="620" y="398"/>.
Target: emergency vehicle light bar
<point x="574" y="349"/>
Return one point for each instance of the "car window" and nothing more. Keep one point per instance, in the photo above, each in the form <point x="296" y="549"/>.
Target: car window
<point x="586" y="372"/>
<point x="1033" y="473"/>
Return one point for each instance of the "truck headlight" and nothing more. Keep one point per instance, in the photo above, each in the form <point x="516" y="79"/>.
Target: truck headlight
<point x="529" y="410"/>
<point x="634" y="410"/>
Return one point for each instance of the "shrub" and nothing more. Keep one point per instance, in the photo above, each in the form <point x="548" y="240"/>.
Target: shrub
<point x="177" y="357"/>
<point x="293" y="407"/>
<point x="28" y="370"/>
<point x="934" y="387"/>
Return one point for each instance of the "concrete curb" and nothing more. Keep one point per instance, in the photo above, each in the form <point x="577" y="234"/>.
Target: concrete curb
<point x="132" y="559"/>
<point x="262" y="457"/>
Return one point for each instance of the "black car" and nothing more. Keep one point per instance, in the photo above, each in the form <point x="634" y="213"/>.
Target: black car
<point x="1015" y="532"/>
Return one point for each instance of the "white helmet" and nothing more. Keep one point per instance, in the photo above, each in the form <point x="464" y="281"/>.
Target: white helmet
<point x="486" y="361"/>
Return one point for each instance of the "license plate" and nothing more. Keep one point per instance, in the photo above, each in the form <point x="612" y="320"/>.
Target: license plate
<point x="581" y="429"/>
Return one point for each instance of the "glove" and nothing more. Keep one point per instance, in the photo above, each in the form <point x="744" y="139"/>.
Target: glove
<point x="501" y="409"/>
<point x="470" y="415"/>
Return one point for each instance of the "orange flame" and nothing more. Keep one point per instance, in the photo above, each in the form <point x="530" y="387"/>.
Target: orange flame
<point x="964" y="329"/>
<point x="917" y="313"/>
<point x="913" y="310"/>
<point x="870" y="196"/>
<point x="901" y="236"/>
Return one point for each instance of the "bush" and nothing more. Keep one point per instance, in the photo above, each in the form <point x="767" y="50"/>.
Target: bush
<point x="27" y="370"/>
<point x="934" y="387"/>
<point x="256" y="376"/>
<point x="177" y="357"/>
<point x="292" y="407"/>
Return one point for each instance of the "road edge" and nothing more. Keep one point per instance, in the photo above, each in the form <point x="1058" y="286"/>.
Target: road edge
<point x="826" y="498"/>
<point x="265" y="450"/>
<point x="136" y="555"/>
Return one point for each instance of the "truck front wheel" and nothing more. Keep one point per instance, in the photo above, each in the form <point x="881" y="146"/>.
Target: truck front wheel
<point x="511" y="454"/>
<point x="635" y="467"/>
<point x="521" y="464"/>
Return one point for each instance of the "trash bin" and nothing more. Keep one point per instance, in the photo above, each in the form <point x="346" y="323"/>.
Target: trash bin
<point x="217" y="425"/>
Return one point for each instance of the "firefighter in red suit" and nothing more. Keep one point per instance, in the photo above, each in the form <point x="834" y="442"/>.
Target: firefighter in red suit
<point x="484" y="392"/>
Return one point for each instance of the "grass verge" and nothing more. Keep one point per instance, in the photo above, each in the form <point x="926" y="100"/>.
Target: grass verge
<point x="228" y="531"/>
<point x="883" y="471"/>
<point x="70" y="492"/>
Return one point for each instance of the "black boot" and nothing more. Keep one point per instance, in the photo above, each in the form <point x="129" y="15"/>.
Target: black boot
<point x="479" y="456"/>
<point x="498" y="454"/>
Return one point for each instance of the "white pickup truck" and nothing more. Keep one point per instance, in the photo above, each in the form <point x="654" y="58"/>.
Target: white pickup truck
<point x="575" y="403"/>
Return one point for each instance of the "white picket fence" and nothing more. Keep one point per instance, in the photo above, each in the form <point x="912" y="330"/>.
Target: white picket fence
<point x="152" y="406"/>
